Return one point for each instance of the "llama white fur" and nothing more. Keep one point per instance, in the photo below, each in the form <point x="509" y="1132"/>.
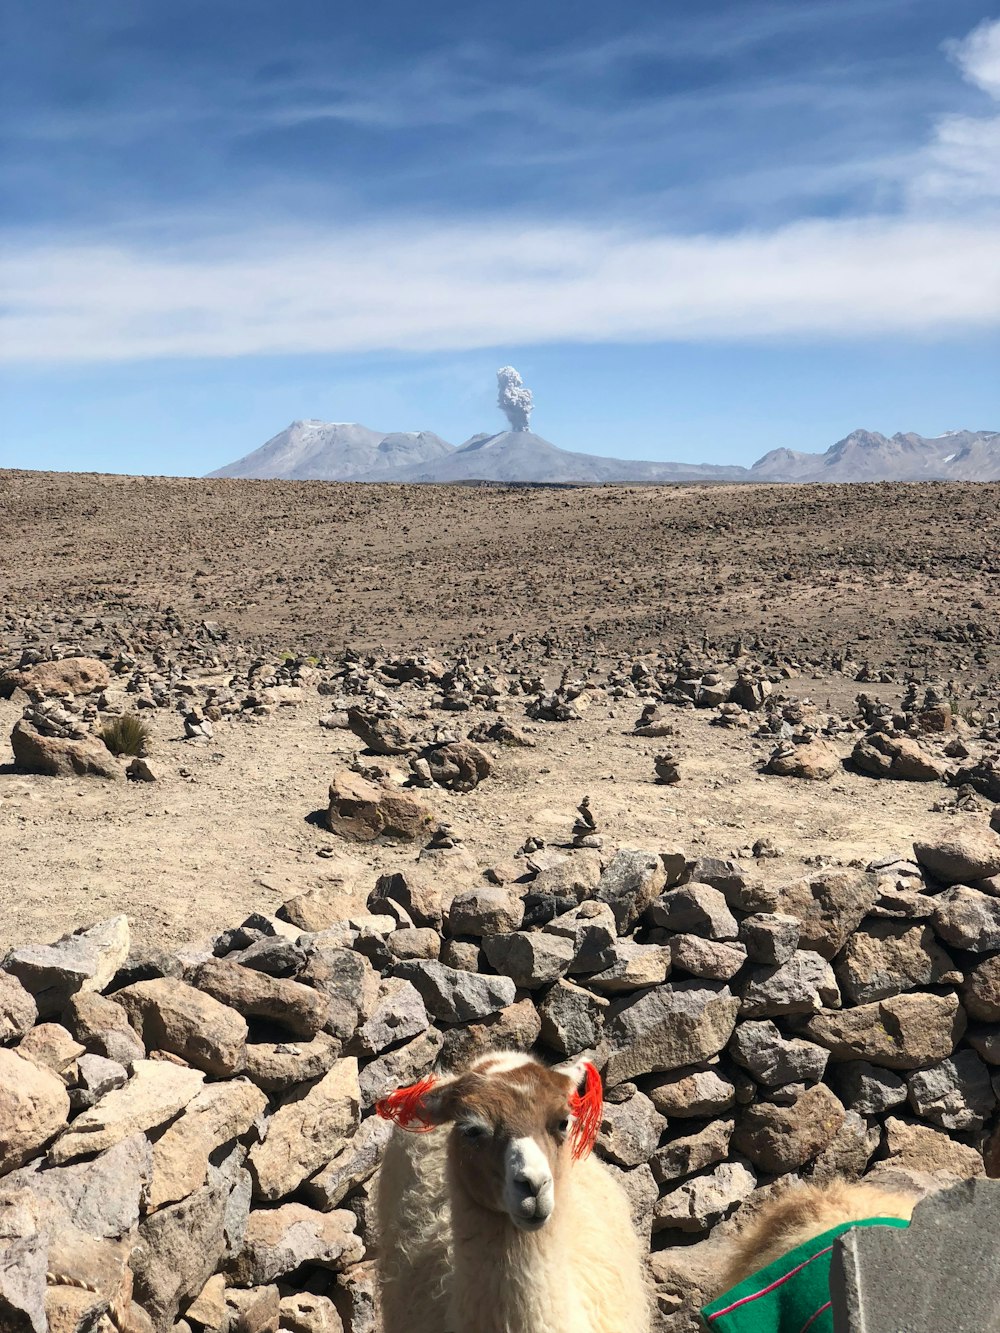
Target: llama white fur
<point x="461" y="1269"/>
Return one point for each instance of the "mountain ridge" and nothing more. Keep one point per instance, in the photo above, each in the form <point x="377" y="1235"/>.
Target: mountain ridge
<point x="311" y="450"/>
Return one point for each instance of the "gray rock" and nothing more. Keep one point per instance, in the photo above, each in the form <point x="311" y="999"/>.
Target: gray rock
<point x="488" y="910"/>
<point x="680" y="1023"/>
<point x="698" y="1204"/>
<point x="686" y="1153"/>
<point x="170" y="1015"/>
<point x="742" y="892"/>
<point x="981" y="989"/>
<point x="770" y="938"/>
<point x="277" y="1066"/>
<point x="968" y="919"/>
<point x="773" y="1059"/>
<point x="101" y="1197"/>
<point x="94" y="1077"/>
<point x="630" y="1131"/>
<point x="34" y="1107"/>
<point x="961" y="855"/>
<point x="85" y="961"/>
<point x="940" y="1272"/>
<point x="803" y="985"/>
<point x="706" y="958"/>
<point x="697" y="909"/>
<point x="629" y="885"/>
<point x="23" y="1260"/>
<point x="530" y="958"/>
<point x="290" y="1004"/>
<point x="885" y="957"/>
<point x="462" y="954"/>
<point x="691" y="1092"/>
<point x="847" y="1155"/>
<point x="955" y="1094"/>
<point x="348" y="984"/>
<point x="281" y="1240"/>
<point x="592" y="929"/>
<point x="355" y="1163"/>
<point x="634" y="967"/>
<point x="399" y="1014"/>
<point x="457" y="997"/>
<point x="783" y="1138"/>
<point x="572" y="1019"/>
<point x="180" y="1247"/>
<point x="828" y="906"/>
<point x="867" y="1089"/>
<point x="306" y="1129"/>
<point x="400" y="1067"/>
<point x="157" y="1090"/>
<point x="903" y="1032"/>
<point x="103" y="1028"/>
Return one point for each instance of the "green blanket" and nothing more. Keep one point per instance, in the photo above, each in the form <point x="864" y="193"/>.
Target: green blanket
<point x="792" y="1295"/>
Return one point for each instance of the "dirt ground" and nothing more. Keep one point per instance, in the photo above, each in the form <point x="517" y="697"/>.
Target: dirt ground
<point x="901" y="576"/>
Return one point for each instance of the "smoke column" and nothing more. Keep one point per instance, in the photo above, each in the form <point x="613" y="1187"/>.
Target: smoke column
<point x="513" y="399"/>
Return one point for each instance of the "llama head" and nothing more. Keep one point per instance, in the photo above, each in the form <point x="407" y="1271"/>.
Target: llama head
<point x="517" y="1126"/>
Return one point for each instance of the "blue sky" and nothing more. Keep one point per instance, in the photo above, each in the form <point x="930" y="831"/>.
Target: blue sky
<point x="700" y="230"/>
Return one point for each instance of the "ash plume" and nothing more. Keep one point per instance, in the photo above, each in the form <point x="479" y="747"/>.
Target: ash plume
<point x="513" y="399"/>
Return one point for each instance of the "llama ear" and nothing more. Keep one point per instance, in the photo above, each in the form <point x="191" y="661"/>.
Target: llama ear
<point x="416" y="1108"/>
<point x="586" y="1104"/>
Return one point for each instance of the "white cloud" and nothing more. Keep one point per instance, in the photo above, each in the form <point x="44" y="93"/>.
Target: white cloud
<point x="412" y="288"/>
<point x="978" y="56"/>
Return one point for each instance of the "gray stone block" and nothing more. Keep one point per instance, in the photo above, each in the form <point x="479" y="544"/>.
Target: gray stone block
<point x="942" y="1272"/>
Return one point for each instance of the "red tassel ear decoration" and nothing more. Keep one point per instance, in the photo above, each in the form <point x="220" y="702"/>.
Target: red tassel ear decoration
<point x="406" y="1106"/>
<point x="587" y="1108"/>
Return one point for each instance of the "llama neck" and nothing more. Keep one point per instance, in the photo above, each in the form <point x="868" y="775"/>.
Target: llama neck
<point x="511" y="1281"/>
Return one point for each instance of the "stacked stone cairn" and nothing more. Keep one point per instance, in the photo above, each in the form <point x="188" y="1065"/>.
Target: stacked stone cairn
<point x="188" y="1142"/>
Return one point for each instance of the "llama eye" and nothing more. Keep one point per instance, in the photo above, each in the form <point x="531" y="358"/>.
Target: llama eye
<point x="472" y="1131"/>
<point x="563" y="1125"/>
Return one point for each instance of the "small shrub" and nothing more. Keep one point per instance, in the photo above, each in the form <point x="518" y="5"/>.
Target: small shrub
<point x="126" y="735"/>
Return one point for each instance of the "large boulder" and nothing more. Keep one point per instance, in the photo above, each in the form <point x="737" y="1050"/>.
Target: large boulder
<point x="61" y="757"/>
<point x="898" y="757"/>
<point x="71" y="675"/>
<point x="961" y="855"/>
<point x="363" y="812"/>
<point x="814" y="761"/>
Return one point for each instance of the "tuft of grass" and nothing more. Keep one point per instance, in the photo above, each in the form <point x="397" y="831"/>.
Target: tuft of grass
<point x="126" y="735"/>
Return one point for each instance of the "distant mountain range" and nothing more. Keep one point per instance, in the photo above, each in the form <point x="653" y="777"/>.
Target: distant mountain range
<point x="344" y="451"/>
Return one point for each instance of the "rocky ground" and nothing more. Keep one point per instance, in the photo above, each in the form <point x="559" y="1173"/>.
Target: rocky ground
<point x="701" y="781"/>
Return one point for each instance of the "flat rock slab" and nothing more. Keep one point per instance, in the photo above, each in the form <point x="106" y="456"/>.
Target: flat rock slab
<point x="219" y="1113"/>
<point x="153" y="1095"/>
<point x="310" y="1126"/>
<point x="942" y="1272"/>
<point x="84" y="961"/>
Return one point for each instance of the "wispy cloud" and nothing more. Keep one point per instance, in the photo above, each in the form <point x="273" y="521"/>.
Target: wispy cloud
<point x="961" y="164"/>
<point x="476" y="286"/>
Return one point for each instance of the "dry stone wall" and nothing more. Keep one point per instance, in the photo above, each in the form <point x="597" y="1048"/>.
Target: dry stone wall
<point x="188" y="1142"/>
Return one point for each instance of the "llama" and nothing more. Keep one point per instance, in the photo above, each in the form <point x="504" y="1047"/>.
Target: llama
<point x="499" y="1220"/>
<point x="762" y="1273"/>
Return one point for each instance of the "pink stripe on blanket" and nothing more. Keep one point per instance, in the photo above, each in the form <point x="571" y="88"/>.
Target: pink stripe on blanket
<point x="778" y="1282"/>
